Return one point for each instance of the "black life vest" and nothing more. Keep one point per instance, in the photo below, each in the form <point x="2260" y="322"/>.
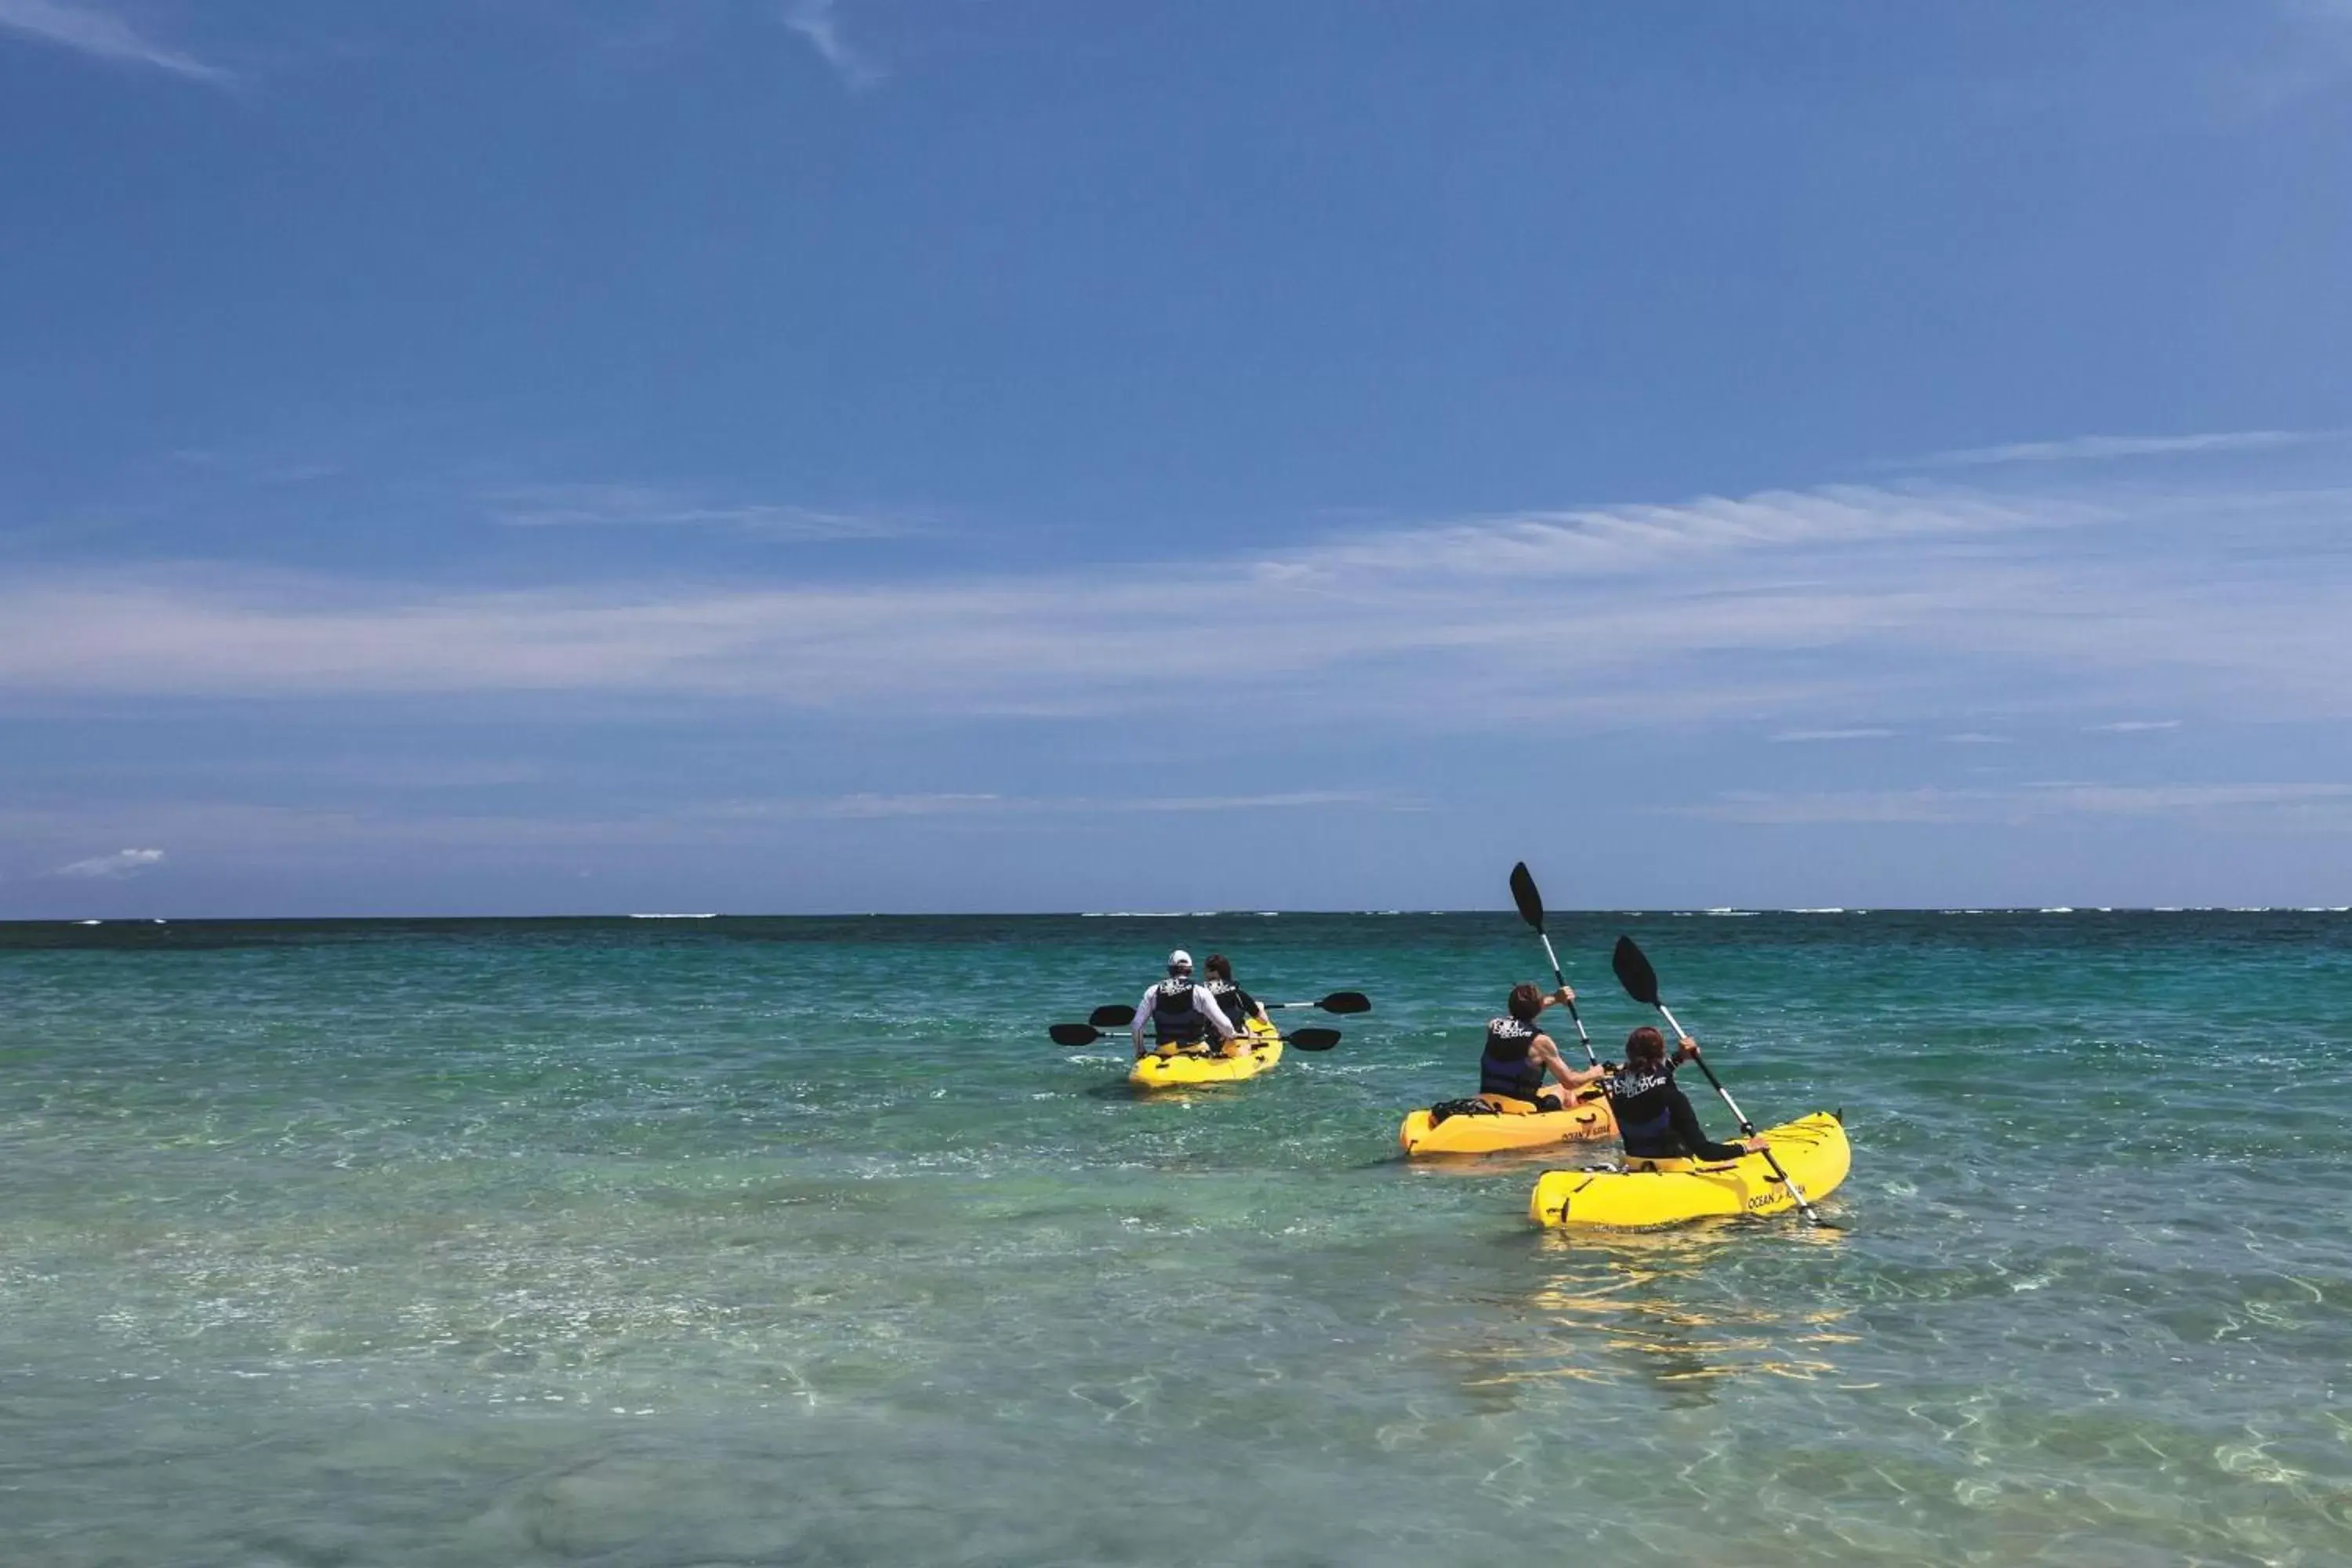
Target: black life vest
<point x="1175" y="1021"/>
<point x="1507" y="1068"/>
<point x="1644" y="1100"/>
<point x="1234" y="1001"/>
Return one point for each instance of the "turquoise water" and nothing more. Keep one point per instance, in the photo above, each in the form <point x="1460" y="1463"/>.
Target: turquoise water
<point x="747" y="1241"/>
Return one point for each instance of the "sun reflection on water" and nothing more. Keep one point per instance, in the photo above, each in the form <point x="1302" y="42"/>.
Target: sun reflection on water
<point x="1647" y="1306"/>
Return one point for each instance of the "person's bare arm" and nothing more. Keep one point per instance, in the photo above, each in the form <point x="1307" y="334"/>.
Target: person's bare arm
<point x="1571" y="1078"/>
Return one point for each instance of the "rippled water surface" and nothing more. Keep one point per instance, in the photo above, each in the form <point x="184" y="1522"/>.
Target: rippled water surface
<point x="748" y="1241"/>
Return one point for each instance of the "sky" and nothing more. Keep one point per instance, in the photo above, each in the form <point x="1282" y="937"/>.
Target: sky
<point x="777" y="456"/>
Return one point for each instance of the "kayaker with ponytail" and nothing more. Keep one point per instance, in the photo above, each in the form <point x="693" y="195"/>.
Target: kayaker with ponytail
<point x="1655" y="1118"/>
<point x="1518" y="1055"/>
<point x="1238" y="1006"/>
<point x="1181" y="1014"/>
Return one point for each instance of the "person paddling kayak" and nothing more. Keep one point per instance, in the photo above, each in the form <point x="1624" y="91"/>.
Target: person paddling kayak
<point x="1518" y="1055"/>
<point x="1182" y="1015"/>
<point x="1655" y="1118"/>
<point x="1238" y="1006"/>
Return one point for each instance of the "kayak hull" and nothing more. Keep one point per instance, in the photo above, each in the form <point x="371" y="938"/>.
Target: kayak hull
<point x="1191" y="1068"/>
<point x="1812" y="1150"/>
<point x="1520" y="1125"/>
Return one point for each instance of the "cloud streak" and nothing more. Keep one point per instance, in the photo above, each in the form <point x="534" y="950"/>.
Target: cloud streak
<point x="814" y="20"/>
<point x="102" y="35"/>
<point x="2096" y="448"/>
<point x="1798" y="609"/>
<point x="863" y="808"/>
<point x="2304" y="805"/>
<point x="111" y="867"/>
<point x="649" y="506"/>
<point x="254" y="833"/>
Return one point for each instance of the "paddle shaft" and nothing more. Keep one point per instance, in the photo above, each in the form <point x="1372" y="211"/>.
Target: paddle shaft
<point x="1573" y="1017"/>
<point x="1113" y="1016"/>
<point x="1745" y="1126"/>
<point x="1079" y="1035"/>
<point x="1340" y="1002"/>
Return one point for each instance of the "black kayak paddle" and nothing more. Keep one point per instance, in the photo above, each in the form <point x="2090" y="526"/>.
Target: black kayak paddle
<point x="1641" y="982"/>
<point x="1110" y="1016"/>
<point x="1531" y="910"/>
<point x="1086" y="1034"/>
<point x="1340" y="1002"/>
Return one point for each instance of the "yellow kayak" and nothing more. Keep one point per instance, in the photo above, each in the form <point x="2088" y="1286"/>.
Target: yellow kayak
<point x="1184" y="1069"/>
<point x="1510" y="1124"/>
<point x="1812" y="1150"/>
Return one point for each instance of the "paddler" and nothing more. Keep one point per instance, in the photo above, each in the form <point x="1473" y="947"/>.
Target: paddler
<point x="1518" y="1055"/>
<point x="1182" y="1014"/>
<point x="1655" y="1118"/>
<point x="1238" y="1006"/>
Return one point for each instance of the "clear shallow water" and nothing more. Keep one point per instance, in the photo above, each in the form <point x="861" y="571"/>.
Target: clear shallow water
<point x="793" y="1241"/>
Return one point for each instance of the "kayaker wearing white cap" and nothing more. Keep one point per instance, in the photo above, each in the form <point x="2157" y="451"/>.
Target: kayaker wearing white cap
<point x="1181" y="1014"/>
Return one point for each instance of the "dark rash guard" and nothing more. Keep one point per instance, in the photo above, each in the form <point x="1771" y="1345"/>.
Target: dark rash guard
<point x="1655" y="1119"/>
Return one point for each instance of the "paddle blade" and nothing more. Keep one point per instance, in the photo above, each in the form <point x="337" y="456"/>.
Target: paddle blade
<point x="1074" y="1034"/>
<point x="1109" y="1017"/>
<point x="1633" y="973"/>
<point x="1524" y="894"/>
<point x="1313" y="1039"/>
<point x="1345" y="1002"/>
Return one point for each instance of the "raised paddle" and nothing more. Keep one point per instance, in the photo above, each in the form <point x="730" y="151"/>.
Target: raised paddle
<point x="1086" y="1034"/>
<point x="1641" y="982"/>
<point x="1531" y="902"/>
<point x="1111" y="1016"/>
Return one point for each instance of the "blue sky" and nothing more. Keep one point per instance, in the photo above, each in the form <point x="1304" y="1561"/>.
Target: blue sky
<point x="509" y="456"/>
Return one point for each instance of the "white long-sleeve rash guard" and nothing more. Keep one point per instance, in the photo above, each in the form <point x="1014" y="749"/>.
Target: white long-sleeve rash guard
<point x="1203" y="1002"/>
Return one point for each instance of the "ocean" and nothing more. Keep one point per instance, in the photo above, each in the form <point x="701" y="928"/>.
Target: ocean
<point x="675" y="1243"/>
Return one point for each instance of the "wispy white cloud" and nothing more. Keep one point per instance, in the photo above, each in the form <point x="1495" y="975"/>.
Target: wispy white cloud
<point x="307" y="836"/>
<point x="651" y="506"/>
<point x="1638" y="538"/>
<point x="856" y="807"/>
<point x="2137" y="726"/>
<point x="1793" y="610"/>
<point x="1975" y="738"/>
<point x="121" y="863"/>
<point x="256" y="470"/>
<point x="815" y="21"/>
<point x="883" y="807"/>
<point x="2091" y="448"/>
<point x="2301" y="805"/>
<point x="102" y="35"/>
<point x="1788" y="736"/>
<point x="1295" y="800"/>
